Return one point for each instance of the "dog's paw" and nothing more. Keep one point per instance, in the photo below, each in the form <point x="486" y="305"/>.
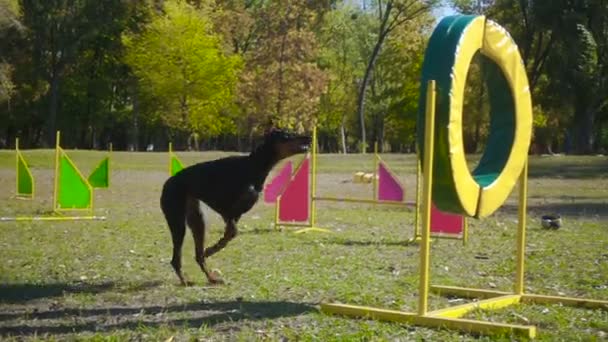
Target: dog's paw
<point x="215" y="278"/>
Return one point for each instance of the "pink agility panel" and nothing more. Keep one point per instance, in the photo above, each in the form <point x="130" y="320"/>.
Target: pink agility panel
<point x="389" y="188"/>
<point x="445" y="223"/>
<point x="295" y="200"/>
<point x="276" y="185"/>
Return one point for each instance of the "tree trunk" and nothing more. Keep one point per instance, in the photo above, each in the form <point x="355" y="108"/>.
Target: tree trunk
<point x="584" y="130"/>
<point x="135" y="122"/>
<point x="51" y="124"/>
<point x="382" y="34"/>
<point x="343" y="137"/>
<point x="363" y="88"/>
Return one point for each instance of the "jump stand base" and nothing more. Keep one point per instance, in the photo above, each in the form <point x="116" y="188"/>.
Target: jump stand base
<point x="431" y="321"/>
<point x="52" y="218"/>
<point x="448" y="318"/>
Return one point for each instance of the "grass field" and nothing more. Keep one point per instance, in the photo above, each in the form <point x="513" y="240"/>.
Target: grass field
<point x="111" y="280"/>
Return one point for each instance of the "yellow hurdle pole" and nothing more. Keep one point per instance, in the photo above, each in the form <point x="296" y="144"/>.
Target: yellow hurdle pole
<point x="359" y="200"/>
<point x="375" y="179"/>
<point x="17" y="166"/>
<point x="56" y="185"/>
<point x="277" y="207"/>
<point x="170" y="156"/>
<point x="51" y="218"/>
<point x="425" y="245"/>
<point x="313" y="181"/>
<point x="109" y="162"/>
<point x="418" y="193"/>
<point x="521" y="231"/>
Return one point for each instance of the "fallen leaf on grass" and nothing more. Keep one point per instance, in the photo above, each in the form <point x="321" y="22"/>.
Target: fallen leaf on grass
<point x="525" y="319"/>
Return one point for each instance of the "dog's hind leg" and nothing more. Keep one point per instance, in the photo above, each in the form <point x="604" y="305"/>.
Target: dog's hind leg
<point x="194" y="217"/>
<point x="174" y="209"/>
<point x="229" y="234"/>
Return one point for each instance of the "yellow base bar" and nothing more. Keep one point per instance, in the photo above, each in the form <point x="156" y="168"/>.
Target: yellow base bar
<point x="360" y="200"/>
<point x="525" y="298"/>
<point x="488" y="304"/>
<point x="466" y="325"/>
<point x="465" y="292"/>
<point x="51" y="218"/>
<point x="292" y="224"/>
<point x="567" y="301"/>
<point x="312" y="229"/>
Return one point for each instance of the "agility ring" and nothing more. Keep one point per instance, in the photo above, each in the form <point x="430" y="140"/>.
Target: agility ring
<point x="447" y="59"/>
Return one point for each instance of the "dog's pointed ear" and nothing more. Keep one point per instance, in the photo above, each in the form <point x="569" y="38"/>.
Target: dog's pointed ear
<point x="269" y="127"/>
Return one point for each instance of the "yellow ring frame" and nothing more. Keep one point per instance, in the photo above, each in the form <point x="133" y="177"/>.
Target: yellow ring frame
<point x="476" y="35"/>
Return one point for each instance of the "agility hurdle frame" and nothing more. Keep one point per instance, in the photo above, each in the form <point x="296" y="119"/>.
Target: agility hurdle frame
<point x="375" y="191"/>
<point x="464" y="236"/>
<point x="313" y="198"/>
<point x="311" y="224"/>
<point x="57" y="209"/>
<point x="449" y="318"/>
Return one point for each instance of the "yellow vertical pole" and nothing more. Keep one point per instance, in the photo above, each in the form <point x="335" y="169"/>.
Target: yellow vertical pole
<point x="425" y="245"/>
<point x="418" y="193"/>
<point x="170" y="156"/>
<point x="56" y="186"/>
<point x="313" y="184"/>
<point x="276" y="212"/>
<point x="17" y="166"/>
<point x="110" y="149"/>
<point x="521" y="231"/>
<point x="375" y="179"/>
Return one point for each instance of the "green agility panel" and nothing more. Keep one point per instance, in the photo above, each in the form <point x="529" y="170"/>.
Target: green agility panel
<point x="73" y="190"/>
<point x="100" y="177"/>
<point x="25" y="181"/>
<point x="176" y="165"/>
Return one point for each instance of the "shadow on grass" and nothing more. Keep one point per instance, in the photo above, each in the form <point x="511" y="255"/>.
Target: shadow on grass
<point x="131" y="318"/>
<point x="20" y="293"/>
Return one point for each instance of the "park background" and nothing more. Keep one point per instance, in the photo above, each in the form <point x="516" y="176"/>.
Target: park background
<point x="212" y="75"/>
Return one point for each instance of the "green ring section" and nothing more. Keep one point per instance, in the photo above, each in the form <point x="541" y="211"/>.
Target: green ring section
<point x="502" y="125"/>
<point x="439" y="59"/>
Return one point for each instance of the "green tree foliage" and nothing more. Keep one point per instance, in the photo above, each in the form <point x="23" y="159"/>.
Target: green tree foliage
<point x="563" y="45"/>
<point x="391" y="15"/>
<point x="395" y="86"/>
<point x="149" y="71"/>
<point x="281" y="81"/>
<point x="8" y="23"/>
<point x="341" y="60"/>
<point x="185" y="78"/>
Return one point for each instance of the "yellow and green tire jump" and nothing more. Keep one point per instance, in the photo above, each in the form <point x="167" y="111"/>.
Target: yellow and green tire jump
<point x="451" y="48"/>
